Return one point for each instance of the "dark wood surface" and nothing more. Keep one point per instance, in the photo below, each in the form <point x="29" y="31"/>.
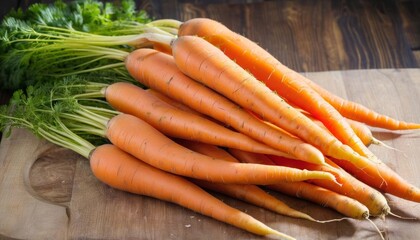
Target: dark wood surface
<point x="306" y="35"/>
<point x="310" y="35"/>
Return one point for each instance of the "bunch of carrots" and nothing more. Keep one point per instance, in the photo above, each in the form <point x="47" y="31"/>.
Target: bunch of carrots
<point x="191" y="106"/>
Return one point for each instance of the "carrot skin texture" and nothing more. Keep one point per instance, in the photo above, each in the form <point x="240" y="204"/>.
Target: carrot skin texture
<point x="253" y="195"/>
<point x="162" y="48"/>
<point x="173" y="102"/>
<point x="362" y="131"/>
<point x="360" y="113"/>
<point x="380" y="176"/>
<point x="318" y="194"/>
<point x="324" y="197"/>
<point x="130" y="99"/>
<point x="122" y="171"/>
<point x="176" y="85"/>
<point x="208" y="65"/>
<point x="279" y="78"/>
<point x="140" y="139"/>
<point x="351" y="187"/>
<point x="245" y="192"/>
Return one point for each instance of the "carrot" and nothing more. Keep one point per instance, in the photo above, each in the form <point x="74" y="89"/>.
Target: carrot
<point x="128" y="98"/>
<point x="145" y="65"/>
<point x="122" y="171"/>
<point x="350" y="186"/>
<point x="251" y="57"/>
<point x="245" y="192"/>
<point x="365" y="134"/>
<point x="162" y="48"/>
<point x="379" y="176"/>
<point x="360" y="129"/>
<point x="382" y="177"/>
<point x="208" y="65"/>
<point x="347" y="206"/>
<point x="360" y="113"/>
<point x="173" y="102"/>
<point x="317" y="194"/>
<point x="207" y="149"/>
<point x="140" y="139"/>
<point x="182" y="106"/>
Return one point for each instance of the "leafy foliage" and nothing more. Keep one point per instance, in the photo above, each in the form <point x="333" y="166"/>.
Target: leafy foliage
<point x="31" y="47"/>
<point x="81" y="15"/>
<point x="52" y="111"/>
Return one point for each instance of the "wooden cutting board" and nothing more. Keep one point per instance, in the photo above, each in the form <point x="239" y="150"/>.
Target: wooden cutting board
<point x="47" y="192"/>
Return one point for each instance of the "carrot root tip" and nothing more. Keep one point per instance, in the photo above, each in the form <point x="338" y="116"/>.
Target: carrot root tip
<point x="279" y="236"/>
<point x="401" y="217"/>
<point x="376" y="228"/>
<point x="333" y="220"/>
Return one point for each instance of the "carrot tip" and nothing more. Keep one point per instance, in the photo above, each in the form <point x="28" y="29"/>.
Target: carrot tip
<point x="401" y="217"/>
<point x="376" y="228"/>
<point x="380" y="143"/>
<point x="333" y="220"/>
<point x="280" y="236"/>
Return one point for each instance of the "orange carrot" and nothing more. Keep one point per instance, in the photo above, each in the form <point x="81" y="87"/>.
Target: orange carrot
<point x="173" y="102"/>
<point x="365" y="134"/>
<point x="207" y="149"/>
<point x="140" y="139"/>
<point x="208" y="64"/>
<point x="317" y="194"/>
<point x="162" y="48"/>
<point x="181" y="106"/>
<point x="145" y="65"/>
<point x="350" y="186"/>
<point x="122" y="171"/>
<point x="128" y="98"/>
<point x="251" y="57"/>
<point x="360" y="129"/>
<point x="382" y="177"/>
<point x="245" y="192"/>
<point x="361" y="113"/>
<point x="324" y="197"/>
<point x="378" y="175"/>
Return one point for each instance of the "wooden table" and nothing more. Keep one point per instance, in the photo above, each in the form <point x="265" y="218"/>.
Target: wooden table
<point x="367" y="51"/>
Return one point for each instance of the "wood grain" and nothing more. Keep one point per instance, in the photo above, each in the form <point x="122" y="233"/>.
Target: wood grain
<point x="25" y="215"/>
<point x="314" y="35"/>
<point x="306" y="35"/>
<point x="65" y="201"/>
<point x="410" y="19"/>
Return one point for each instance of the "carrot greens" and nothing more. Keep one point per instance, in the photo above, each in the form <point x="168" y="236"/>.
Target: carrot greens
<point x="33" y="111"/>
<point x="62" y="38"/>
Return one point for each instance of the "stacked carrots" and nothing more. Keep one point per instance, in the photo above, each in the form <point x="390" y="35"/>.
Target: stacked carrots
<point x="219" y="112"/>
